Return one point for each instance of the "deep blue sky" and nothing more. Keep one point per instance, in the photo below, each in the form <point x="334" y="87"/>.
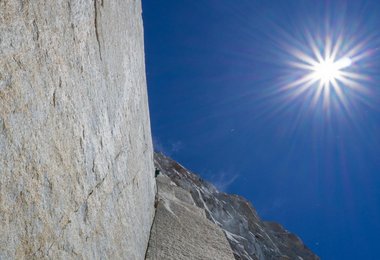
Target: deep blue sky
<point x="216" y="71"/>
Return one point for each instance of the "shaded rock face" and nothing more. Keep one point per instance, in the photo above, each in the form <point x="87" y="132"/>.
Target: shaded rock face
<point x="248" y="236"/>
<point x="181" y="230"/>
<point x="76" y="158"/>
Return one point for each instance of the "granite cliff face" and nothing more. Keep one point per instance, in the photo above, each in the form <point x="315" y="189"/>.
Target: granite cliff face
<point x="249" y="237"/>
<point x="76" y="158"/>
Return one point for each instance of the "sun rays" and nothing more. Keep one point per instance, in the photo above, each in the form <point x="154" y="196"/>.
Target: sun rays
<point x="326" y="71"/>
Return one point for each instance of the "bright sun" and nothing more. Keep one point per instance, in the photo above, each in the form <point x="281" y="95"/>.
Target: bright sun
<point x="327" y="71"/>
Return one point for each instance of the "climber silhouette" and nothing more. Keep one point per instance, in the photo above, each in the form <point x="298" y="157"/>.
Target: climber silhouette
<point x="157" y="172"/>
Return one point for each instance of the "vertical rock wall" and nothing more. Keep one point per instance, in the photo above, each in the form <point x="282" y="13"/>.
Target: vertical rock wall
<point x="76" y="160"/>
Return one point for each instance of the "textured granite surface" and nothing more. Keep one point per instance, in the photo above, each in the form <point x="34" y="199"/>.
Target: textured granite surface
<point x="76" y="158"/>
<point x="181" y="230"/>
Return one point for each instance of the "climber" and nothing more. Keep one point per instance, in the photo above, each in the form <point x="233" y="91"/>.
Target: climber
<point x="157" y="172"/>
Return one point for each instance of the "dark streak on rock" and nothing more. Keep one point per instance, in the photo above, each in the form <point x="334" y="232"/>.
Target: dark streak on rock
<point x="101" y="182"/>
<point x="85" y="214"/>
<point x="3" y="125"/>
<point x="38" y="250"/>
<point x="119" y="153"/>
<point x="93" y="165"/>
<point x="36" y="31"/>
<point x="19" y="64"/>
<point x="96" y="27"/>
<point x="54" y="101"/>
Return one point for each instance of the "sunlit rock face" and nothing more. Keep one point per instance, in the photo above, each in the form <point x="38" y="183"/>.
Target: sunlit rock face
<point x="249" y="237"/>
<point x="181" y="230"/>
<point x="76" y="159"/>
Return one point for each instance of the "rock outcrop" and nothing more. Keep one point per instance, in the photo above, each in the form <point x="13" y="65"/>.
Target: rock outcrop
<point x="248" y="236"/>
<point x="181" y="230"/>
<point x="76" y="158"/>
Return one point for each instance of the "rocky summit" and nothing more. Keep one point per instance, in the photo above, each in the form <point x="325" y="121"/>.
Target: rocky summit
<point x="248" y="236"/>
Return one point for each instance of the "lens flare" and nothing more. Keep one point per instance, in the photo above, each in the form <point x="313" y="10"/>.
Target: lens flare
<point x="329" y="70"/>
<point x="325" y="71"/>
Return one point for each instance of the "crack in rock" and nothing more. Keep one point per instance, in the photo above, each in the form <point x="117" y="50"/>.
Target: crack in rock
<point x="96" y="27"/>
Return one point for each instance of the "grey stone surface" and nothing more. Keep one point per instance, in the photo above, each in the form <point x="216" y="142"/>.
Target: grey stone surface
<point x="249" y="237"/>
<point x="76" y="159"/>
<point x="181" y="230"/>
